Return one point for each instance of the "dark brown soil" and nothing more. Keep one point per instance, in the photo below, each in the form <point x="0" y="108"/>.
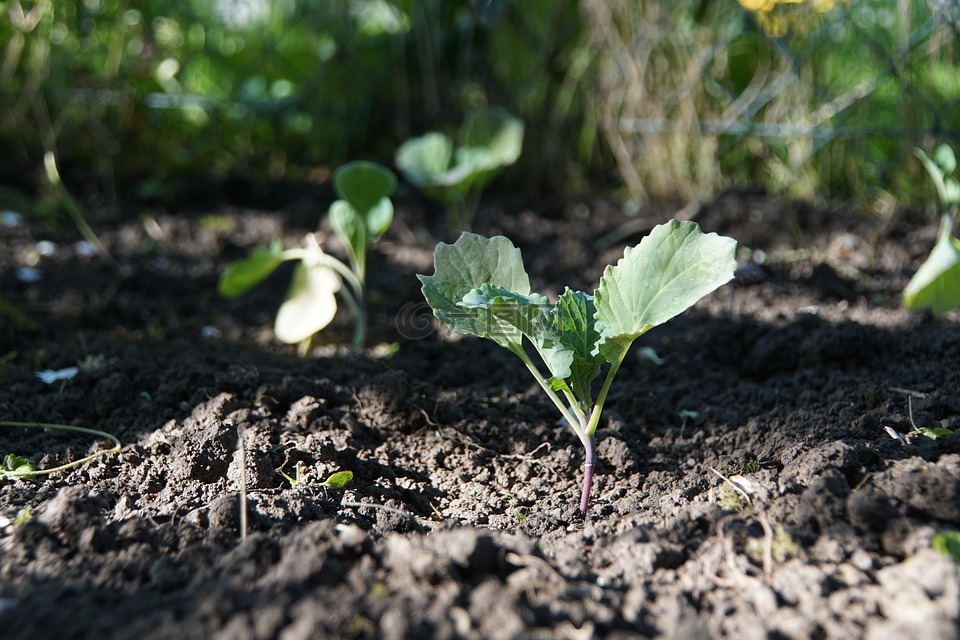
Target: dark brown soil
<point x="461" y="519"/>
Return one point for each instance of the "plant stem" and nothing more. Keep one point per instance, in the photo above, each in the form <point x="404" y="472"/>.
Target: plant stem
<point x="590" y="448"/>
<point x="564" y="411"/>
<point x="591" y="427"/>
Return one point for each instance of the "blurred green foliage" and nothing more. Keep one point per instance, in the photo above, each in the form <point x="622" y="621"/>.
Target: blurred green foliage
<point x="139" y="97"/>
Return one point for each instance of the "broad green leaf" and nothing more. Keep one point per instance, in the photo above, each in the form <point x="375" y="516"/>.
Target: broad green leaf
<point x="574" y="322"/>
<point x="13" y="462"/>
<point x="936" y="284"/>
<point x="468" y="264"/>
<point x="935" y="433"/>
<point x="379" y="218"/>
<point x="310" y="304"/>
<point x="495" y="130"/>
<point x="339" y="480"/>
<point x="364" y="184"/>
<point x="672" y="268"/>
<point x="425" y="159"/>
<point x="240" y="276"/>
<point x="349" y="226"/>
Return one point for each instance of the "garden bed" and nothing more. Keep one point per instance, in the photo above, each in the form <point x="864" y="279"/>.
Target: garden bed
<point x="747" y="485"/>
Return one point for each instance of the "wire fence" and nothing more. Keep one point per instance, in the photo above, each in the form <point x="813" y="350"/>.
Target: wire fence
<point x="821" y="104"/>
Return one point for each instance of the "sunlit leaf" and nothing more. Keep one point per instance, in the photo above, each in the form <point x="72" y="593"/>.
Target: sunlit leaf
<point x="672" y="268"/>
<point x="338" y="480"/>
<point x="310" y="304"/>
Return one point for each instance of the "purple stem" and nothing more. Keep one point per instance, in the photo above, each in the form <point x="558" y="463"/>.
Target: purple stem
<point x="590" y="447"/>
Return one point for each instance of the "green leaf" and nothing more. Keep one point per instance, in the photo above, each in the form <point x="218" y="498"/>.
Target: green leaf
<point x="349" y="226"/>
<point x="338" y="480"/>
<point x="672" y="268"/>
<point x="13" y="462"/>
<point x="424" y="160"/>
<point x="364" y="184"/>
<point x="496" y="131"/>
<point x="379" y="218"/>
<point x="575" y="324"/>
<point x="935" y="432"/>
<point x="947" y="543"/>
<point x="468" y="264"/>
<point x="310" y="304"/>
<point x="943" y="156"/>
<point x="936" y="284"/>
<point x="240" y="276"/>
<point x="505" y="316"/>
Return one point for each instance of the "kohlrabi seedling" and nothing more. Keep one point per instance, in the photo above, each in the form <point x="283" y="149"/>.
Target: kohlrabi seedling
<point x="937" y="282"/>
<point x="480" y="288"/>
<point x="362" y="215"/>
<point x="489" y="140"/>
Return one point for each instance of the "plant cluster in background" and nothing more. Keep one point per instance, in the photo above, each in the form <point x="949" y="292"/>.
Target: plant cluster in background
<point x="362" y="215"/>
<point x="818" y="98"/>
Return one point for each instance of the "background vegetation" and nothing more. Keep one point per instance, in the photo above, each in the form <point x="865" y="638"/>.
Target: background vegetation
<point x="144" y="99"/>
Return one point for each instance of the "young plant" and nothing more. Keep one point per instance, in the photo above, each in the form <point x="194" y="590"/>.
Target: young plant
<point x="936" y="284"/>
<point x="362" y="215"/>
<point x="480" y="288"/>
<point x="489" y="140"/>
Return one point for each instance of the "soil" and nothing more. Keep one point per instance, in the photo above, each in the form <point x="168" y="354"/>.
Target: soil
<point x="748" y="484"/>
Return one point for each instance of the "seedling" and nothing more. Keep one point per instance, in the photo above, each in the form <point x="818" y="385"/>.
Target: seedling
<point x="489" y="140"/>
<point x="480" y="288"/>
<point x="362" y="215"/>
<point x="338" y="480"/>
<point x="936" y="284"/>
<point x="16" y="467"/>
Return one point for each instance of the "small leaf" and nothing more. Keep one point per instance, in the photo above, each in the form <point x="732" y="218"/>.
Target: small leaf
<point x="468" y="264"/>
<point x="947" y="543"/>
<point x="943" y="156"/>
<point x="425" y="159"/>
<point x="379" y="218"/>
<point x="241" y="275"/>
<point x="936" y="284"/>
<point x="310" y="304"/>
<point x="12" y="461"/>
<point x="672" y="268"/>
<point x="364" y="184"/>
<point x="349" y="226"/>
<point x="935" y="432"/>
<point x="339" y="480"/>
<point x="575" y="324"/>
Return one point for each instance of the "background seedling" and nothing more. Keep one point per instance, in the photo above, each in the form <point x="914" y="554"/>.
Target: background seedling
<point x="480" y="288"/>
<point x="489" y="140"/>
<point x="362" y="215"/>
<point x="19" y="466"/>
<point x="937" y="282"/>
<point x="948" y="543"/>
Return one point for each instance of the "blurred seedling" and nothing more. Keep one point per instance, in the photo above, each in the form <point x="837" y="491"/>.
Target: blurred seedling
<point x="936" y="284"/>
<point x="361" y="215"/>
<point x="489" y="140"/>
